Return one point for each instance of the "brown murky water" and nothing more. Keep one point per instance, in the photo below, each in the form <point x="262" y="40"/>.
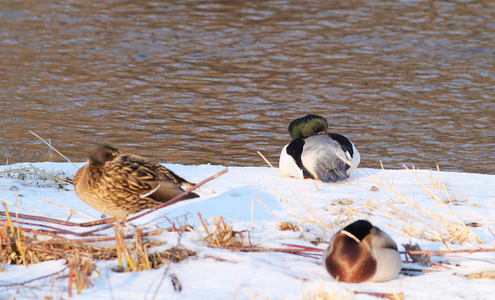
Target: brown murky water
<point x="196" y="82"/>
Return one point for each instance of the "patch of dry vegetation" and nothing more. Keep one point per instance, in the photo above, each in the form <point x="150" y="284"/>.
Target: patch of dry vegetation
<point x="27" y="246"/>
<point x="411" y="218"/>
<point x="487" y="275"/>
<point x="35" y="176"/>
<point x="221" y="234"/>
<point x="323" y="294"/>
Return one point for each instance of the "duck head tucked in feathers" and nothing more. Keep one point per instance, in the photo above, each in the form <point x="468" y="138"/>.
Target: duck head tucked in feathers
<point x="102" y="154"/>
<point x="362" y="252"/>
<point x="307" y="126"/>
<point x="123" y="184"/>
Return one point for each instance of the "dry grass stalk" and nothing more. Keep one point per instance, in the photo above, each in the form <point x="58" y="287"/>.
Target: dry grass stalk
<point x="49" y="144"/>
<point x="118" y="246"/>
<point x="80" y="268"/>
<point x="221" y="234"/>
<point x="69" y="210"/>
<point x="395" y="296"/>
<point x="143" y="262"/>
<point x="44" y="219"/>
<point x="442" y="252"/>
<point x="322" y="294"/>
<point x="136" y="253"/>
<point x="15" y="236"/>
<point x="488" y="275"/>
<point x="309" y="252"/>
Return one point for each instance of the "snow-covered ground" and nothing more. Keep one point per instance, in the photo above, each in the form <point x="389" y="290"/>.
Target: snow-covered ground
<point x="418" y="206"/>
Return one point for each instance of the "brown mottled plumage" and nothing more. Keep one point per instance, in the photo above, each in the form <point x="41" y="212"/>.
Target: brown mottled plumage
<point x="362" y="252"/>
<point x="123" y="184"/>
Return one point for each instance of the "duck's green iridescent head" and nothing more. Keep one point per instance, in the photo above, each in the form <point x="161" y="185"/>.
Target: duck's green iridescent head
<point x="307" y="126"/>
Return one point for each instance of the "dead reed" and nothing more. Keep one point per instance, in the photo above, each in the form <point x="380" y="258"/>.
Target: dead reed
<point x="136" y="253"/>
<point x="221" y="234"/>
<point x="487" y="275"/>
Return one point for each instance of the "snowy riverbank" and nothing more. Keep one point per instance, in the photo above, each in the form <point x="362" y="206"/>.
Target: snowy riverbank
<point x="419" y="206"/>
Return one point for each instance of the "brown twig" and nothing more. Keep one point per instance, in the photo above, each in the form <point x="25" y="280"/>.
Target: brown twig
<point x="206" y="228"/>
<point x="52" y="229"/>
<point x="261" y="249"/>
<point x="418" y="270"/>
<point x="100" y="239"/>
<point x="11" y="285"/>
<point x="305" y="248"/>
<point x="51" y="147"/>
<point x="177" y="198"/>
<point x="398" y="296"/>
<point x="440" y="252"/>
<point x="44" y="219"/>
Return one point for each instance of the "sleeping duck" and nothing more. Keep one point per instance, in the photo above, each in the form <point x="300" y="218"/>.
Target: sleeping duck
<point x="123" y="184"/>
<point x="313" y="153"/>
<point x="362" y="252"/>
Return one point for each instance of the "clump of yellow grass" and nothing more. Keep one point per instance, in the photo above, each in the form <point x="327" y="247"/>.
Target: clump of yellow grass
<point x="413" y="220"/>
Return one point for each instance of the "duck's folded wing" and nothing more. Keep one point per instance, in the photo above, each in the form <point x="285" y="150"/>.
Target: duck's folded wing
<point x="350" y="151"/>
<point x="149" y="184"/>
<point x="383" y="240"/>
<point x="143" y="181"/>
<point x="320" y="159"/>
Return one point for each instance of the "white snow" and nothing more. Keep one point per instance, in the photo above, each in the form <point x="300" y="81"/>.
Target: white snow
<point x="256" y="200"/>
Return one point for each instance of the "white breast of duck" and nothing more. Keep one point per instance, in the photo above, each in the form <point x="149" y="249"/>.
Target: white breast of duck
<point x="315" y="154"/>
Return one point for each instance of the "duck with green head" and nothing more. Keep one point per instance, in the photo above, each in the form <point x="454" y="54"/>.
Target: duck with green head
<point x="314" y="153"/>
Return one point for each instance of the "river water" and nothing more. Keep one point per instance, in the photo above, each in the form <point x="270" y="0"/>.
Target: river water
<point x="195" y="82"/>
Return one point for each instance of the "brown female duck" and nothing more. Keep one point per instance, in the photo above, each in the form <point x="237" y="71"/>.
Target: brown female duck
<point x="362" y="252"/>
<point x="123" y="184"/>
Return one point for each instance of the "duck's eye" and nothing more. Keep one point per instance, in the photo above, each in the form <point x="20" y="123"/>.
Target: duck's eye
<point x="316" y="130"/>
